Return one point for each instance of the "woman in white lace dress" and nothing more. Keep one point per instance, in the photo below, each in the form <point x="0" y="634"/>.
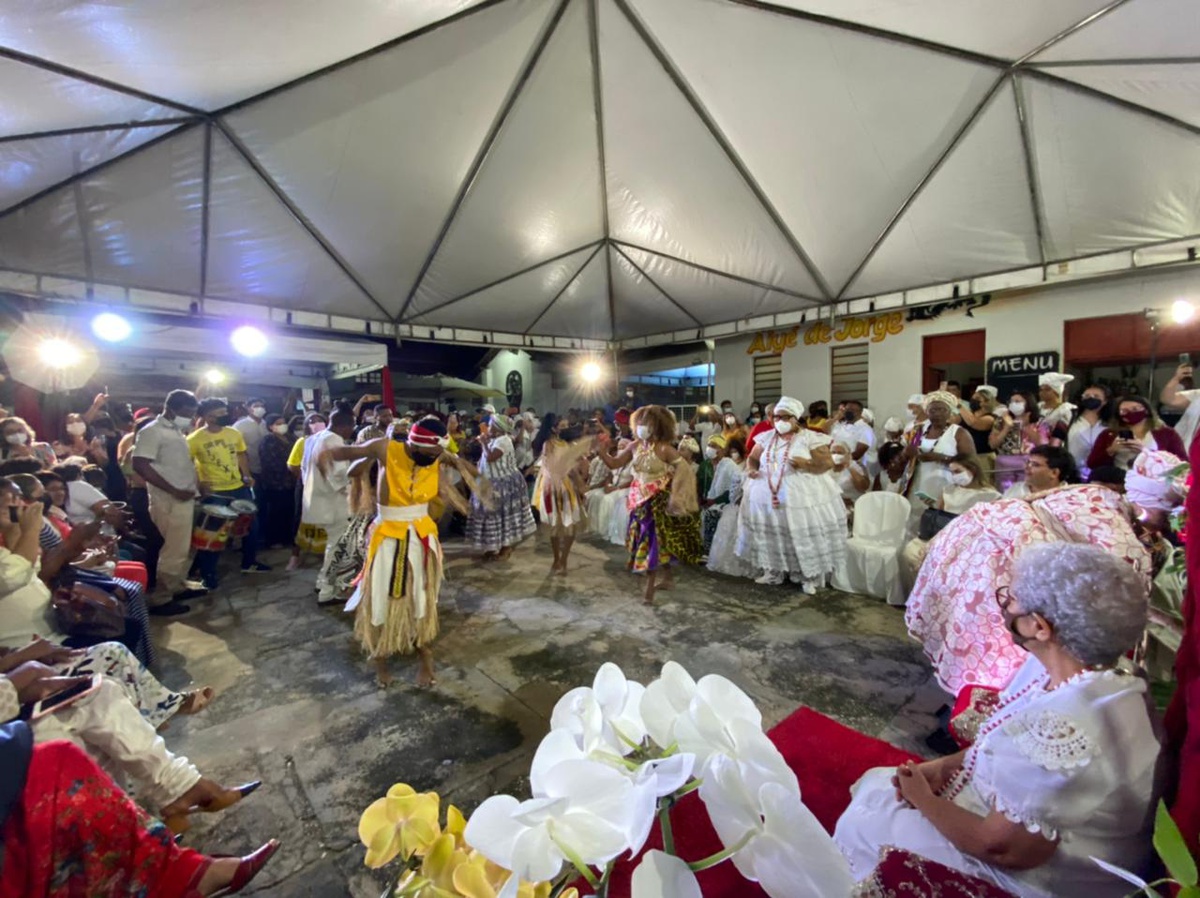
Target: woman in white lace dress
<point x="1065" y="768"/>
<point x="793" y="521"/>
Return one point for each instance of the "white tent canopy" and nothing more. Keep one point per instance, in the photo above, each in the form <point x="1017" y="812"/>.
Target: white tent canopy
<point x="599" y="169"/>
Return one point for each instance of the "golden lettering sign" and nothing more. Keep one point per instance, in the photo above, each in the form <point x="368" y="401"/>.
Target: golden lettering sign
<point x="774" y="341"/>
<point x="877" y="328"/>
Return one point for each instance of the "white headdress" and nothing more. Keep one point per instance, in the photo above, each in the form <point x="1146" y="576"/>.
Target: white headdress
<point x="1055" y="381"/>
<point x="788" y="406"/>
<point x="989" y="390"/>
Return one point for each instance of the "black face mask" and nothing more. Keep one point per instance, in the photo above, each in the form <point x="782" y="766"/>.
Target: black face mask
<point x="820" y="412"/>
<point x="421" y="460"/>
<point x="47" y="501"/>
<point x="1092" y="403"/>
<point x="222" y="421"/>
<point x="849" y="415"/>
<point x="976" y="405"/>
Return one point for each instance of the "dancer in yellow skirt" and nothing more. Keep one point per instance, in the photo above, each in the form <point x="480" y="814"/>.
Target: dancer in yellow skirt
<point x="395" y="602"/>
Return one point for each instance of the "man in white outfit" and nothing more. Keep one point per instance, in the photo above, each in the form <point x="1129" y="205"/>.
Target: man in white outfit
<point x="326" y="494"/>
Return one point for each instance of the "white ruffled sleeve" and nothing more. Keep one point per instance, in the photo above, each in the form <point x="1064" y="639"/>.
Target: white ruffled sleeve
<point x="10" y="705"/>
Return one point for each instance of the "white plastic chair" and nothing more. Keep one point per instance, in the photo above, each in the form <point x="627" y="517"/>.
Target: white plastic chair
<point x="872" y="552"/>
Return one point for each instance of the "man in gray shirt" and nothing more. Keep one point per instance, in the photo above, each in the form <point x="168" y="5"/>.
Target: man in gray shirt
<point x="253" y="431"/>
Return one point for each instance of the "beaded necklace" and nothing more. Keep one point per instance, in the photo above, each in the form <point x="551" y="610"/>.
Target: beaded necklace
<point x="777" y="485"/>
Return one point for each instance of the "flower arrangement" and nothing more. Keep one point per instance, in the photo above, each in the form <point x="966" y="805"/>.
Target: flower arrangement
<point x="618" y="756"/>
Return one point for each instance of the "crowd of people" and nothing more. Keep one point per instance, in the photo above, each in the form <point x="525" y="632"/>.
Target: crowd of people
<point x="131" y="514"/>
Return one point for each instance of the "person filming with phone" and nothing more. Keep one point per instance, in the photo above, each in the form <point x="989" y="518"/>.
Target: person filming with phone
<point x="1133" y="429"/>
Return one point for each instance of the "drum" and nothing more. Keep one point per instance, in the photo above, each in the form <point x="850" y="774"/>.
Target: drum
<point x="311" y="538"/>
<point x="213" y="523"/>
<point x="246" y="510"/>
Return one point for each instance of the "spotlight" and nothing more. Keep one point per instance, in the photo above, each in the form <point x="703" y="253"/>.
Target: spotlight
<point x="590" y="372"/>
<point x="247" y="340"/>
<point x="1182" y="311"/>
<point x="111" y="327"/>
<point x="56" y="352"/>
<point x="214" y="377"/>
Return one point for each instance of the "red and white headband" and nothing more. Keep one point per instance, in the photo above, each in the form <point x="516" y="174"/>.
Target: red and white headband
<point x="422" y="436"/>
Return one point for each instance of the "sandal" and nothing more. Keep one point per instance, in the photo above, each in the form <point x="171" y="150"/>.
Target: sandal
<point x="196" y="700"/>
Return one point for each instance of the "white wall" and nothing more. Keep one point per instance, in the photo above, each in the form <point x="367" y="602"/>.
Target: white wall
<point x="535" y="380"/>
<point x="1031" y="322"/>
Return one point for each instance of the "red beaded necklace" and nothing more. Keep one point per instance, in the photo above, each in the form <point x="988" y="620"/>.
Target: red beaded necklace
<point x="777" y="485"/>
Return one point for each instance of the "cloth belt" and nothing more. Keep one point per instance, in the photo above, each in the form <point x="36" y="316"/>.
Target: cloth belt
<point x="402" y="512"/>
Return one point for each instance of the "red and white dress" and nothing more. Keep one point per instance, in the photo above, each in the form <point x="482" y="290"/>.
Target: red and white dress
<point x="952" y="610"/>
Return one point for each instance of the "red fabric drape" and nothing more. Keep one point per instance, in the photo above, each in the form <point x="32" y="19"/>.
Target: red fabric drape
<point x="1183" y="716"/>
<point x="385" y="388"/>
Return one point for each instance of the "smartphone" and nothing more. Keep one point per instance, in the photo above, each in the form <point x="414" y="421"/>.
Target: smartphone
<point x="1124" y="434"/>
<point x="14" y="514"/>
<point x="60" y="700"/>
<point x="926" y="498"/>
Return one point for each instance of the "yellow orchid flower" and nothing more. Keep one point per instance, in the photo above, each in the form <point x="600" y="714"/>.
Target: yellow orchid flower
<point x="404" y="823"/>
<point x="456" y="824"/>
<point x="480" y="878"/>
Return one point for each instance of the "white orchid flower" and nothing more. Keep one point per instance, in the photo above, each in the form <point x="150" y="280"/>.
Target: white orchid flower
<point x="665" y="700"/>
<point x="663" y="775"/>
<point x="605" y="716"/>
<point x="663" y="876"/>
<point x="783" y="847"/>
<point x="582" y="811"/>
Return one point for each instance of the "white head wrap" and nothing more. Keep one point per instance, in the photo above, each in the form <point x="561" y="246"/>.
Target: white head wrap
<point x="947" y="399"/>
<point x="868" y="416"/>
<point x="502" y="423"/>
<point x="989" y="390"/>
<point x="917" y="399"/>
<point x="1147" y="483"/>
<point x="690" y="444"/>
<point x="893" y="425"/>
<point x="1055" y="381"/>
<point x="786" y="405"/>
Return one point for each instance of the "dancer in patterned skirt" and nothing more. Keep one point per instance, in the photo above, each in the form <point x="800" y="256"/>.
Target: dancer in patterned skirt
<point x="497" y="529"/>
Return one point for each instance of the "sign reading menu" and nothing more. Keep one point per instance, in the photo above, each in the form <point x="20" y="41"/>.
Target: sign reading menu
<point x="1009" y="373"/>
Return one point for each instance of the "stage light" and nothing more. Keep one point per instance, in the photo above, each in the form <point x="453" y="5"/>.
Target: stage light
<point x="56" y="352"/>
<point x="214" y="377"/>
<point x="111" y="327"/>
<point x="249" y="341"/>
<point x="1182" y="311"/>
<point x="590" y="372"/>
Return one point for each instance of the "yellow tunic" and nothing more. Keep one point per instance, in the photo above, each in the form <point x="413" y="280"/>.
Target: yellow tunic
<point x="395" y="603"/>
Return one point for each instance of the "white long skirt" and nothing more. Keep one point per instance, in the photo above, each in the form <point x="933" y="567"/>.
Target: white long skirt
<point x="618" y="516"/>
<point x="722" y="556"/>
<point x="805" y="535"/>
<point x="598" y="511"/>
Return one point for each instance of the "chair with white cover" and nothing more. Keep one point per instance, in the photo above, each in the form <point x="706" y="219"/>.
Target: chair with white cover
<point x="872" y="552"/>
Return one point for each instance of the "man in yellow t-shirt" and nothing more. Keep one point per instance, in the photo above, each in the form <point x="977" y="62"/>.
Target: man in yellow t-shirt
<point x="223" y="469"/>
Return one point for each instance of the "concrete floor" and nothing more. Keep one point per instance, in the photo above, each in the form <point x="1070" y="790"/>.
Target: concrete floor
<point x="298" y="708"/>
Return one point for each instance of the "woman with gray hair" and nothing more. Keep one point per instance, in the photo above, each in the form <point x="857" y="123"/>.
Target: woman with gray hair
<point x="1063" y="771"/>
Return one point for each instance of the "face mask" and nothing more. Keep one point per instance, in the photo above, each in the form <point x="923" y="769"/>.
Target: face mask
<point x="421" y="460"/>
<point x="279" y="428"/>
<point x="76" y="428"/>
<point x="221" y="421"/>
<point x="754" y="410"/>
<point x="755" y="419"/>
<point x="299" y="432"/>
<point x="976" y="405"/>
<point x="730" y="420"/>
<point x="1137" y="416"/>
<point x="710" y="452"/>
<point x="839" y="458"/>
<point x="1092" y="403"/>
<point x="783" y="426"/>
<point x="1017" y="408"/>
<point x="910" y="414"/>
<point x="258" y="411"/>
<point x="849" y="415"/>
<point x="181" y="422"/>
<point x="17" y="439"/>
<point x="643" y="432"/>
<point x="368" y="420"/>
<point x="629" y="394"/>
<point x="821" y="413"/>
<point x="962" y="478"/>
<point x="317" y="426"/>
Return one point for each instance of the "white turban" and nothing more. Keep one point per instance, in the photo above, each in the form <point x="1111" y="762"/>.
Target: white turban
<point x="488" y="409"/>
<point x="786" y="405"/>
<point x="1055" y="381"/>
<point x="917" y="399"/>
<point x="1148" y="485"/>
<point x="690" y="444"/>
<point x="989" y="390"/>
<point x="947" y="399"/>
<point x="893" y="425"/>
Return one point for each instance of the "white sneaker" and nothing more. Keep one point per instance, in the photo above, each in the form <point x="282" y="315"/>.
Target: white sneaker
<point x="809" y="587"/>
<point x="770" y="578"/>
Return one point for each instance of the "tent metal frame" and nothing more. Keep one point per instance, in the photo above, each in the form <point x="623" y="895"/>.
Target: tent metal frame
<point x="657" y="286"/>
<point x="542" y="314"/>
<point x="1008" y="70"/>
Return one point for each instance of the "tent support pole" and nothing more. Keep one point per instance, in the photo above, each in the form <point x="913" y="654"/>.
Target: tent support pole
<point x="485" y="150"/>
<point x="97" y="129"/>
<point x="962" y="131"/>
<point x="1067" y="32"/>
<point x="1035" y="196"/>
<point x="300" y="218"/>
<point x="204" y="208"/>
<point x="731" y="154"/>
<point x="550" y="304"/>
<point x="638" y="268"/>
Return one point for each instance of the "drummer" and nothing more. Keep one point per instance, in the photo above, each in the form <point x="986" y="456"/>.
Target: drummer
<point x="223" y="468"/>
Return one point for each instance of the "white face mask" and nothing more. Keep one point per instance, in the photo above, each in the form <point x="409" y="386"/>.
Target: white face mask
<point x="181" y="422"/>
<point x="783" y="426"/>
<point x="279" y="428"/>
<point x="258" y="411"/>
<point x="839" y="458"/>
<point x="20" y="438"/>
<point x="643" y="432"/>
<point x="962" y="478"/>
<point x="910" y="414"/>
<point x="1017" y="408"/>
<point x="710" y="452"/>
<point x="76" y="428"/>
<point x="316" y="426"/>
<point x="629" y="394"/>
<point x="755" y="419"/>
<point x="731" y="420"/>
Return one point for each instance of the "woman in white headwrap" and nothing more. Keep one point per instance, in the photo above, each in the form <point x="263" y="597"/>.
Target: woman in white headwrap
<point x="1055" y="412"/>
<point x="931" y="448"/>
<point x="793" y="522"/>
<point x="497" y="526"/>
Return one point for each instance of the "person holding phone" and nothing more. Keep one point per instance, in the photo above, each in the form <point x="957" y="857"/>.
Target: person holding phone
<point x="1017" y="430"/>
<point x="1179" y="395"/>
<point x="1133" y="429"/>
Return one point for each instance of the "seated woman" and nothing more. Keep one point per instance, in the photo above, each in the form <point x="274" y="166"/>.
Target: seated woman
<point x="1065" y="768"/>
<point x="727" y="459"/>
<point x="969" y="487"/>
<point x="1133" y="429"/>
<point x="21" y="442"/>
<point x="851" y="477"/>
<point x="603" y="501"/>
<point x="893" y="469"/>
<point x="1017" y="430"/>
<point x="69" y="830"/>
<point x="950" y="610"/>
